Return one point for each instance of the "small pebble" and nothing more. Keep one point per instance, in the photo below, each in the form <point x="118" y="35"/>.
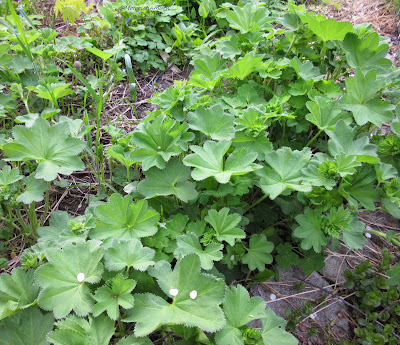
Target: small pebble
<point x="272" y="297"/>
<point x="368" y="235"/>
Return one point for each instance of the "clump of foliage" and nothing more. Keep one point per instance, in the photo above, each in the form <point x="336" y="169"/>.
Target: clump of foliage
<point x="71" y="9"/>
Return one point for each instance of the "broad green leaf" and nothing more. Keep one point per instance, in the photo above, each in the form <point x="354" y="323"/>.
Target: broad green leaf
<point x="394" y="275"/>
<point x="244" y="66"/>
<point x="342" y="141"/>
<point x="101" y="54"/>
<point x="259" y="144"/>
<point x="286" y="257"/>
<point x="9" y="176"/>
<point x="65" y="277"/>
<point x="207" y="71"/>
<point x="229" y="47"/>
<point x="290" y="21"/>
<point x="173" y="180"/>
<point x="158" y="141"/>
<point x="219" y="128"/>
<point x="225" y="225"/>
<point x="385" y="172"/>
<point x="190" y="244"/>
<point x="312" y="262"/>
<point x="353" y="235"/>
<point x="17" y="291"/>
<point x="128" y="253"/>
<point x="248" y="18"/>
<point x="117" y="152"/>
<point x="324" y="113"/>
<point x="195" y="299"/>
<point x="27" y="328"/>
<point x="239" y="309"/>
<point x="209" y="161"/>
<point x="50" y="146"/>
<point x="34" y="190"/>
<point x="310" y="230"/>
<point x="258" y="254"/>
<point x="285" y="172"/>
<point x="112" y="295"/>
<point x="360" y="99"/>
<point x="367" y="52"/>
<point x="273" y="330"/>
<point x="78" y="331"/>
<point x="327" y="29"/>
<point x="131" y="340"/>
<point x="121" y="218"/>
<point x="53" y="91"/>
<point x="306" y="70"/>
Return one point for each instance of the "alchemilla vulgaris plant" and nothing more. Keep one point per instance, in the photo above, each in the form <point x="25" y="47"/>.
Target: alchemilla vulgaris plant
<point x="262" y="158"/>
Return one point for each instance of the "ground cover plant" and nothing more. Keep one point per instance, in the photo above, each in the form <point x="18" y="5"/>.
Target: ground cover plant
<point x="261" y="159"/>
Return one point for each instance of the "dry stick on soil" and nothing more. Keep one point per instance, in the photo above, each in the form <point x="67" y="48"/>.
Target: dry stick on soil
<point x="347" y="303"/>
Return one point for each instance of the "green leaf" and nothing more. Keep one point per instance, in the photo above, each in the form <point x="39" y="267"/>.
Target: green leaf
<point x="117" y="152"/>
<point x="324" y="113"/>
<point x="221" y="126"/>
<point x="120" y="218"/>
<point x="173" y="180"/>
<point x="310" y="230"/>
<point x="353" y="235"/>
<point x="50" y="146"/>
<point x="312" y="262"/>
<point x="65" y="277"/>
<point x="306" y="70"/>
<point x="286" y="257"/>
<point x="285" y="172"/>
<point x="258" y="254"/>
<point x="394" y="275"/>
<point x="209" y="161"/>
<point x="239" y="309"/>
<point x="244" y="66"/>
<point x="225" y="225"/>
<point x="53" y="91"/>
<point x="17" y="291"/>
<point x="385" y="172"/>
<point x="367" y="52"/>
<point x="360" y="99"/>
<point x="101" y="54"/>
<point x="34" y="190"/>
<point x="27" y="328"/>
<point x="158" y="141"/>
<point x="273" y="330"/>
<point x="78" y="331"/>
<point x="195" y="299"/>
<point x="342" y="141"/>
<point x="207" y="71"/>
<point x="128" y="253"/>
<point x="9" y="176"/>
<point x="259" y="144"/>
<point x="114" y="294"/>
<point x="248" y="18"/>
<point x="327" y="29"/>
<point x="190" y="244"/>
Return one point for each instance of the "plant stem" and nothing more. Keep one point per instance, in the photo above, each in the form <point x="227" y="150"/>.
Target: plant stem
<point x="291" y="45"/>
<point x="314" y="137"/>
<point x="383" y="235"/>
<point x="248" y="208"/>
<point x="10" y="222"/>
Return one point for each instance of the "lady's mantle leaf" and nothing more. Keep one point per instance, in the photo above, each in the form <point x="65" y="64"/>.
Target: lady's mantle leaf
<point x="394" y="275"/>
<point x="158" y="141"/>
<point x="27" y="328"/>
<point x="34" y="190"/>
<point x="273" y="330"/>
<point x="17" y="291"/>
<point x="310" y="230"/>
<point x="225" y="226"/>
<point x="117" y="293"/>
<point x="190" y="244"/>
<point x="128" y="253"/>
<point x="258" y="254"/>
<point x="200" y="309"/>
<point x="213" y="122"/>
<point x="170" y="181"/>
<point x="239" y="309"/>
<point x="324" y="113"/>
<point x="209" y="161"/>
<point x="120" y="218"/>
<point x="285" y="173"/>
<point x="62" y="289"/>
<point x="78" y="331"/>
<point x="50" y="146"/>
<point x="9" y="176"/>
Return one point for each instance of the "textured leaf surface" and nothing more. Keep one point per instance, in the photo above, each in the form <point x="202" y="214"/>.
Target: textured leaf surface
<point x="121" y="218"/>
<point x="285" y="172"/>
<point x="29" y="327"/>
<point x="258" y="254"/>
<point x="310" y="230"/>
<point x="209" y="161"/>
<point x="128" y="253"/>
<point x="62" y="290"/>
<point x="17" y="291"/>
<point x="190" y="244"/>
<point x="112" y="295"/>
<point x="324" y="113"/>
<point x="34" y="190"/>
<point x="273" y="330"/>
<point x="50" y="146"/>
<point x="225" y="225"/>
<point x="9" y="176"/>
<point x="79" y="331"/>
<point x="212" y="122"/>
<point x="151" y="311"/>
<point x="173" y="180"/>
<point x="239" y="309"/>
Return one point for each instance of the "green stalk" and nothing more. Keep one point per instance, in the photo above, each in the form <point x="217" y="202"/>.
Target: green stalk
<point x="291" y="44"/>
<point x="383" y="235"/>
<point x="314" y="137"/>
<point x="10" y="222"/>
<point x="47" y="204"/>
<point x="248" y="208"/>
